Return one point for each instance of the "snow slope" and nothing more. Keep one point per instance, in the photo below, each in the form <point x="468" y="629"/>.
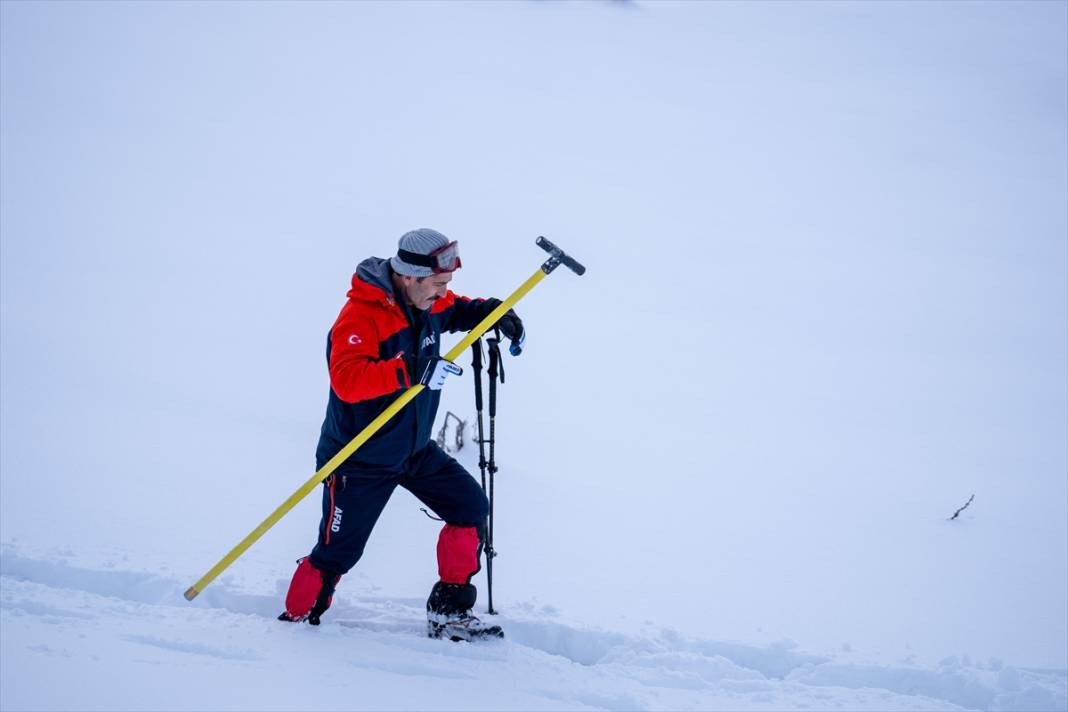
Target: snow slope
<point x="78" y="637"/>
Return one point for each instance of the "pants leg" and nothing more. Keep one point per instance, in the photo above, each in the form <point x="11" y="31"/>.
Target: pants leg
<point x="447" y="488"/>
<point x="352" y="503"/>
<point x="442" y="484"/>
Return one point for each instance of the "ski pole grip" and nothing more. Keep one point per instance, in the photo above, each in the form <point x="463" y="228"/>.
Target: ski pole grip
<point x="558" y="257"/>
<point x="476" y="364"/>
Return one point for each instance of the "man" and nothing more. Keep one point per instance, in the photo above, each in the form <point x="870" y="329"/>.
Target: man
<point x="386" y="339"/>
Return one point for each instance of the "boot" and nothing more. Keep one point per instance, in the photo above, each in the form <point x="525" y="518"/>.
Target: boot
<point x="310" y="593"/>
<point x="448" y="614"/>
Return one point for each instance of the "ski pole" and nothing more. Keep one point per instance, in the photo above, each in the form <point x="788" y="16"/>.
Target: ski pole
<point x="557" y="257"/>
<point x="495" y="363"/>
<point x="476" y="366"/>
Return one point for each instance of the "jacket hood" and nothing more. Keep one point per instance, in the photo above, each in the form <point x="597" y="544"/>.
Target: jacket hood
<point x="372" y="282"/>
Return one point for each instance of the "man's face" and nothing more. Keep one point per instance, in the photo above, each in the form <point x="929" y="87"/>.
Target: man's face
<point x="421" y="294"/>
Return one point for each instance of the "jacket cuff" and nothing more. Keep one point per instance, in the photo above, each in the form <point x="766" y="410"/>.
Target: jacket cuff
<point x="403" y="380"/>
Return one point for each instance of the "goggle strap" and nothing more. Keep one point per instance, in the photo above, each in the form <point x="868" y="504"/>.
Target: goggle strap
<point x="414" y="258"/>
<point x="444" y="259"/>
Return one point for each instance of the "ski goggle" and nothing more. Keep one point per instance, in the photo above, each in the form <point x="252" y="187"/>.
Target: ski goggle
<point x="442" y="260"/>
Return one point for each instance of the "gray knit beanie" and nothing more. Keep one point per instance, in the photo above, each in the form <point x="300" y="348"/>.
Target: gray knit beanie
<point x="422" y="241"/>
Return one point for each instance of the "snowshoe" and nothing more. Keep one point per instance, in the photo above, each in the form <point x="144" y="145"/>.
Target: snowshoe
<point x="461" y="627"/>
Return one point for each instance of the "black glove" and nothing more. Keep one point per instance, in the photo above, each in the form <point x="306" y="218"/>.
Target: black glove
<point x="510" y="325"/>
<point x="512" y="328"/>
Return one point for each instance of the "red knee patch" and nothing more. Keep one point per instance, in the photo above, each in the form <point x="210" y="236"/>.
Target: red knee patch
<point x="457" y="553"/>
<point x="303" y="590"/>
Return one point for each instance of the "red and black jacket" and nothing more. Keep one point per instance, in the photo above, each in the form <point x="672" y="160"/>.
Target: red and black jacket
<point x="366" y="351"/>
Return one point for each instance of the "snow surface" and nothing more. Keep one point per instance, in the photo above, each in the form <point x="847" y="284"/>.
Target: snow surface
<point x="124" y="638"/>
<point x="827" y="301"/>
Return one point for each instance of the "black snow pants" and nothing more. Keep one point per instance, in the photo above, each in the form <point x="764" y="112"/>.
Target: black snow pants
<point x="354" y="499"/>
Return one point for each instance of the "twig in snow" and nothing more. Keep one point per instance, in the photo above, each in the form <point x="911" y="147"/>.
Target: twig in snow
<point x="957" y="513"/>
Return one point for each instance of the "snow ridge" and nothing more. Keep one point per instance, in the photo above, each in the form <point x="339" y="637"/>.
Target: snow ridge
<point x="93" y="625"/>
